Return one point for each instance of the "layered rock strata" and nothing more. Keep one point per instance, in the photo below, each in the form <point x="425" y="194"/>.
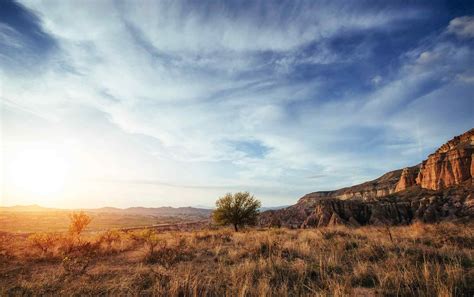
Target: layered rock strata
<point x="450" y="165"/>
<point x="405" y="207"/>
<point x="440" y="188"/>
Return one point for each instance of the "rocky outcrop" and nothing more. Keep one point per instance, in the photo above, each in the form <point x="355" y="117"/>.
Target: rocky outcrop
<point x="450" y="165"/>
<point x="356" y="213"/>
<point x="407" y="178"/>
<point x="405" y="207"/>
<point x="371" y="190"/>
<point x="440" y="188"/>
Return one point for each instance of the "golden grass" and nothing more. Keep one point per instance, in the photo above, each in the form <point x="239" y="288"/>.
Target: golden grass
<point x="419" y="260"/>
<point x="58" y="221"/>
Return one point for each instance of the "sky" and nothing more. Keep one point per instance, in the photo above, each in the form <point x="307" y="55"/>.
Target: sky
<point x="175" y="103"/>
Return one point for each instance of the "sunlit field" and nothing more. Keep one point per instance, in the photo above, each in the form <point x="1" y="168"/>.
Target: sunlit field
<point x="22" y="222"/>
<point x="57" y="221"/>
<point x="416" y="260"/>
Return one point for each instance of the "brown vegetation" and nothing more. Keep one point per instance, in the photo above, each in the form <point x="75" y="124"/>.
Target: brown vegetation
<point x="415" y="260"/>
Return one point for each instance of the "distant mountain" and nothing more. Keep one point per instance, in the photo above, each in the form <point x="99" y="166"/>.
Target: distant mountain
<point x="264" y="208"/>
<point x="149" y="211"/>
<point x="26" y="208"/>
<point x="161" y="211"/>
<point x="272" y="207"/>
<point x="440" y="188"/>
<point x="203" y="206"/>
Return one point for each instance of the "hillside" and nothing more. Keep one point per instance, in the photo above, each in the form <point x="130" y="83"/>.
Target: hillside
<point x="440" y="188"/>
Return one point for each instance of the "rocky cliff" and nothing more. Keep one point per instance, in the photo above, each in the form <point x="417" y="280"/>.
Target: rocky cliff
<point x="407" y="178"/>
<point x="415" y="204"/>
<point x="439" y="188"/>
<point x="450" y="165"/>
<point x="380" y="187"/>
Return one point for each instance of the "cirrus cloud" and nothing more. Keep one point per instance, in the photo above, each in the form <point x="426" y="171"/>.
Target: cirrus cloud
<point x="260" y="96"/>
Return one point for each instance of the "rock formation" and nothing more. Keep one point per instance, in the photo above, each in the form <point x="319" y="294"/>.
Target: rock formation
<point x="440" y="188"/>
<point x="407" y="178"/>
<point x="450" y="165"/>
<point x="380" y="187"/>
<point x="415" y="204"/>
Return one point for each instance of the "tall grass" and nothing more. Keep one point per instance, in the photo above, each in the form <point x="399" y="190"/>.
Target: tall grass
<point x="416" y="260"/>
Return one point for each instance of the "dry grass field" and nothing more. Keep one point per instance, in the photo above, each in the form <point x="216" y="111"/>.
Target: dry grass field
<point x="57" y="221"/>
<point x="416" y="260"/>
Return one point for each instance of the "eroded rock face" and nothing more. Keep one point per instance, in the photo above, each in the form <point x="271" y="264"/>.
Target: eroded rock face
<point x="441" y="188"/>
<point x="407" y="178"/>
<point x="398" y="209"/>
<point x="380" y="187"/>
<point x="331" y="212"/>
<point x="450" y="165"/>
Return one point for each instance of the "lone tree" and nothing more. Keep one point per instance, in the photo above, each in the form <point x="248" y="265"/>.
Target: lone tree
<point x="237" y="209"/>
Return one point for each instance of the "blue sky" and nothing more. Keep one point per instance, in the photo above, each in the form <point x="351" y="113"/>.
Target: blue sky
<point x="178" y="102"/>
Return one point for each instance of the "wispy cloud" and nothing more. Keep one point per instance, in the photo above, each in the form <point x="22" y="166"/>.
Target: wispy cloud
<point x="259" y="96"/>
<point x="462" y="26"/>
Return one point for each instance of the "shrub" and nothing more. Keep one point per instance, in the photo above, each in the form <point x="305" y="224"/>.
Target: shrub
<point x="79" y="257"/>
<point x="149" y="238"/>
<point x="6" y="251"/>
<point x="72" y="240"/>
<point x="110" y="237"/>
<point x="44" y="242"/>
<point x="75" y="265"/>
<point x="79" y="222"/>
<point x="167" y="256"/>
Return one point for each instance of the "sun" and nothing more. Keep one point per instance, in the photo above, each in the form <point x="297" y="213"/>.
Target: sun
<point x="37" y="171"/>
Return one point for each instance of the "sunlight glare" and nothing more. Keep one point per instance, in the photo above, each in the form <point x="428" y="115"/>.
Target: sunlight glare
<point x="38" y="170"/>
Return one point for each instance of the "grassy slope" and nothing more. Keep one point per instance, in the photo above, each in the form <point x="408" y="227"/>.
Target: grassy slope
<point x="417" y="260"/>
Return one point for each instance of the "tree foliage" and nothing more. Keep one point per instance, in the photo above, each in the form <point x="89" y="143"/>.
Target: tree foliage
<point x="237" y="209"/>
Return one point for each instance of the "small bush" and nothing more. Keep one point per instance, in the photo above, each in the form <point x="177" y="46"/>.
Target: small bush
<point x="109" y="238"/>
<point x="79" y="222"/>
<point x="75" y="265"/>
<point x="149" y="239"/>
<point x="72" y="241"/>
<point x="168" y="256"/>
<point x="6" y="250"/>
<point x="44" y="242"/>
<point x="79" y="257"/>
